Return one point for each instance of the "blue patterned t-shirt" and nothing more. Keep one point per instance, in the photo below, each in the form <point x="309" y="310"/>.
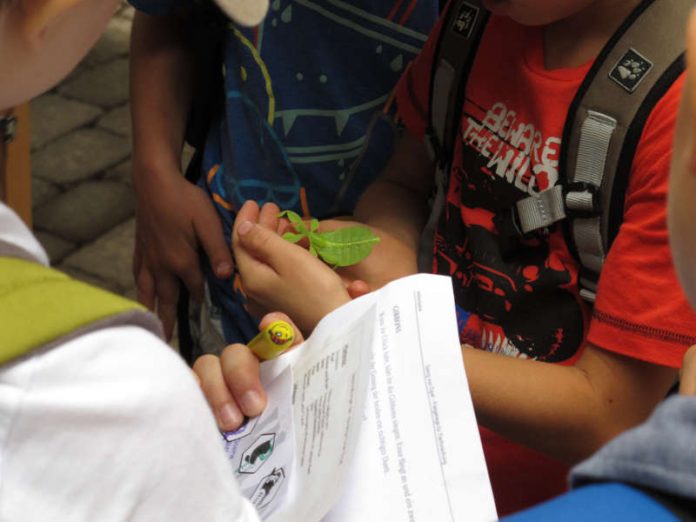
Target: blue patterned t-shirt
<point x="301" y="91"/>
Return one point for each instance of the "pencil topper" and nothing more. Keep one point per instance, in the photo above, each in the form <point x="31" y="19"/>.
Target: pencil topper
<point x="272" y="340"/>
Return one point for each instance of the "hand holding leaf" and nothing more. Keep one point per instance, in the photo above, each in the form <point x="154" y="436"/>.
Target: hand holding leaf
<point x="341" y="247"/>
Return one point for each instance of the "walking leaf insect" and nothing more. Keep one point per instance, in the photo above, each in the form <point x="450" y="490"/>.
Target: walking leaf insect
<point x="341" y="247"/>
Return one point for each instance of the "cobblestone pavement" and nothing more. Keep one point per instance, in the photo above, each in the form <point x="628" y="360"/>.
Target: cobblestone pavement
<point x="83" y="200"/>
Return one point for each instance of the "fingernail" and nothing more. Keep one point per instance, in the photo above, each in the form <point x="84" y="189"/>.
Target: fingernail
<point x="223" y="270"/>
<point x="251" y="403"/>
<point x="229" y="417"/>
<point x="244" y="227"/>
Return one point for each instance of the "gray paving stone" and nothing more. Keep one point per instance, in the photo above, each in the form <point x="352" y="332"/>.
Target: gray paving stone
<point x="52" y="116"/>
<point x="120" y="173"/>
<point x="42" y="191"/>
<point x="87" y="211"/>
<point x="105" y="85"/>
<point x="56" y="248"/>
<point x="117" y="121"/>
<point x="112" y="44"/>
<point x="91" y="279"/>
<point x="109" y="258"/>
<point x="79" y="155"/>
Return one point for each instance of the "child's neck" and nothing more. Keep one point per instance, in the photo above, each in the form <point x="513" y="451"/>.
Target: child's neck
<point x="576" y="40"/>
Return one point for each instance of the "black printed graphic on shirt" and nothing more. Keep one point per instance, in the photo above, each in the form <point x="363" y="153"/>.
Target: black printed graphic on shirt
<point x="514" y="295"/>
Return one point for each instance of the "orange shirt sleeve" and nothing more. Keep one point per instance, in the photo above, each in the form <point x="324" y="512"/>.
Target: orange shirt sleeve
<point x="413" y="89"/>
<point x="641" y="310"/>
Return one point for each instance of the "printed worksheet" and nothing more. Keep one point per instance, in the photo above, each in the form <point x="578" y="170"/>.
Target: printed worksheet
<point x="370" y="419"/>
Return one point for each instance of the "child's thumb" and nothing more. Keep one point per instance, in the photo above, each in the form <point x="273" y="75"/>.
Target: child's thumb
<point x="254" y="242"/>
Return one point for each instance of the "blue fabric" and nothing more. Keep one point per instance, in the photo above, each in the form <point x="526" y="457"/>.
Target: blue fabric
<point x="659" y="454"/>
<point x="608" y="501"/>
<point x="301" y="92"/>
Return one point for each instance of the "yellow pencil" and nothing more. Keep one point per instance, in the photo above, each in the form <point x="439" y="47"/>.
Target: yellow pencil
<point x="272" y="340"/>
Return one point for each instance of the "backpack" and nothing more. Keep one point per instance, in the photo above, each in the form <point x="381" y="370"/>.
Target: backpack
<point x="42" y="307"/>
<point x="602" y="129"/>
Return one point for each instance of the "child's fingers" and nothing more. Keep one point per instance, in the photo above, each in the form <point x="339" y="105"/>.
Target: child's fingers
<point x="209" y="232"/>
<point x="691" y="61"/>
<point x="268" y="217"/>
<point x="167" y="289"/>
<point x="687" y="375"/>
<point x="357" y="288"/>
<point x="191" y="275"/>
<point x="240" y="369"/>
<point x="208" y="370"/>
<point x="260" y="244"/>
<point x="249" y="212"/>
<point x="145" y="285"/>
<point x="251" y="270"/>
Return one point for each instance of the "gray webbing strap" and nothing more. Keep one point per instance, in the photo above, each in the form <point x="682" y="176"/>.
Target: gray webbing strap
<point x="537" y="212"/>
<point x="461" y="32"/>
<point x="614" y="92"/>
<point x="545" y="209"/>
<point x="593" y="148"/>
<point x="443" y="82"/>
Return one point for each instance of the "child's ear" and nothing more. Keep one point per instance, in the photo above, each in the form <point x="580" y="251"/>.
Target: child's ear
<point x="37" y="16"/>
<point x="691" y="61"/>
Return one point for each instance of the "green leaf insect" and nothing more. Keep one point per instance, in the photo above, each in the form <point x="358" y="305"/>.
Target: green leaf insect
<point x="341" y="247"/>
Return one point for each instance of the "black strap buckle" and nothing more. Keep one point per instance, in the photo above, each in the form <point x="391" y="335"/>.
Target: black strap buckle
<point x="595" y="208"/>
<point x="508" y="224"/>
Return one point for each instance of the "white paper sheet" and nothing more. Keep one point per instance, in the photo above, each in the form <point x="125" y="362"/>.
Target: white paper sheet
<point x="383" y="423"/>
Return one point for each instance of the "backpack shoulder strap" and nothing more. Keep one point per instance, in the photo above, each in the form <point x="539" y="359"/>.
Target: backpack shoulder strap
<point x="40" y="306"/>
<point x="462" y="29"/>
<point x="639" y="64"/>
<point x="604" y="124"/>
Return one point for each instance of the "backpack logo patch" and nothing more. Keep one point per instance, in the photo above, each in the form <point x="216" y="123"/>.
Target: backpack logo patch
<point x="630" y="70"/>
<point x="465" y="20"/>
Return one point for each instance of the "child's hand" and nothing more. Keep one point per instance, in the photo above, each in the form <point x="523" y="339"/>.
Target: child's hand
<point x="390" y="259"/>
<point x="687" y="375"/>
<point x="173" y="219"/>
<point x="278" y="275"/>
<point x="231" y="382"/>
<point x="682" y="182"/>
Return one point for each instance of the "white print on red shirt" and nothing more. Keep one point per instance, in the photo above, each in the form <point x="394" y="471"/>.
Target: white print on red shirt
<point x="514" y="295"/>
<point x="512" y="147"/>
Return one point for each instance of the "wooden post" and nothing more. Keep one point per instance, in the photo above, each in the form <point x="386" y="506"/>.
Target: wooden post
<point x="17" y="187"/>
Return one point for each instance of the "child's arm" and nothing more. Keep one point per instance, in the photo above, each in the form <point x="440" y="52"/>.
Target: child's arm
<point x="564" y="411"/>
<point x="173" y="216"/>
<point x="687" y="375"/>
<point x="396" y="202"/>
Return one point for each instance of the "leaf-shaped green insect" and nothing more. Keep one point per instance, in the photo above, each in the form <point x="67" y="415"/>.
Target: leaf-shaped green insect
<point x="341" y="247"/>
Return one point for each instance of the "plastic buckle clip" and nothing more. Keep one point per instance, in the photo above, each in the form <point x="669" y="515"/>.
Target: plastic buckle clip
<point x="581" y="187"/>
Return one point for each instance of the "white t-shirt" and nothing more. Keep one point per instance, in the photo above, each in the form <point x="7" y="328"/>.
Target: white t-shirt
<point x="109" y="426"/>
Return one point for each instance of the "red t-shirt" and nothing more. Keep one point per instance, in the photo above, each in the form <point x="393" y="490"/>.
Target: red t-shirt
<point x="521" y="299"/>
